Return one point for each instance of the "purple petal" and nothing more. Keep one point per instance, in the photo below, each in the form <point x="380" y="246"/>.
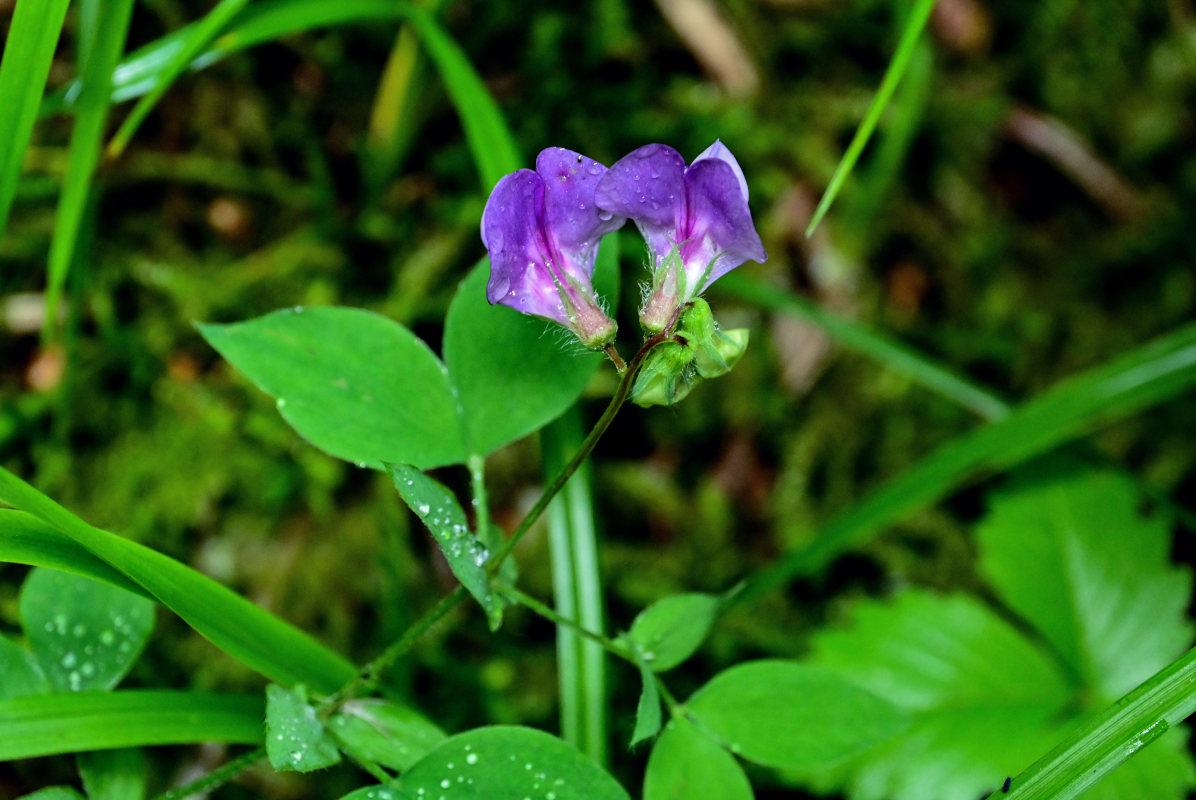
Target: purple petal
<point x="648" y="185"/>
<point x="571" y="217"/>
<point x="719" y="150"/>
<point x="513" y="234"/>
<point x="719" y="222"/>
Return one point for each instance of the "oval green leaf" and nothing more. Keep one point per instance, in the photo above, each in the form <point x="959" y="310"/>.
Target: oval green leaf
<point x="22" y="676"/>
<point x="384" y="732"/>
<point x="295" y="737"/>
<point x="670" y="630"/>
<point x="506" y="761"/>
<point x="83" y="633"/>
<point x="685" y="763"/>
<point x="791" y="716"/>
<point x="353" y="383"/>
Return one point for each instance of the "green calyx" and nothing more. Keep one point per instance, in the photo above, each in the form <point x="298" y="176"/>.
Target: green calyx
<point x="698" y="349"/>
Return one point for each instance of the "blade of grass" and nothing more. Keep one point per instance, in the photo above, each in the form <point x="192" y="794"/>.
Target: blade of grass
<point x="103" y="27"/>
<point x="855" y="336"/>
<point x="577" y="592"/>
<point x="25" y="539"/>
<point x="1150" y="374"/>
<point x="72" y="722"/>
<point x="905" y="49"/>
<point x="1112" y="737"/>
<point x="28" y="51"/>
<point x="253" y="636"/>
<point x="196" y="41"/>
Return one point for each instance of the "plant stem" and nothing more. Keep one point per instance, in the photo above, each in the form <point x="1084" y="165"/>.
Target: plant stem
<point x="549" y="614"/>
<point x="217" y="777"/>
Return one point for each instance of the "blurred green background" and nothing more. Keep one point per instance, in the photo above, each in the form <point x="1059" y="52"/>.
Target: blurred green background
<point x="1024" y="212"/>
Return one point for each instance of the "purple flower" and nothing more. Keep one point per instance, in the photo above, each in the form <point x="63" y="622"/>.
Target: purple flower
<point x="695" y="219"/>
<point x="542" y="230"/>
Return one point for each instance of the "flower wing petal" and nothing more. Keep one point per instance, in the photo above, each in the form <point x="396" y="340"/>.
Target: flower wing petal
<point x="720" y="218"/>
<point x="719" y="151"/>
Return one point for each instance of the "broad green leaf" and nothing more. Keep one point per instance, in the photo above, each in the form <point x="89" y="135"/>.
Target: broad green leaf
<point x="355" y="384"/>
<point x="114" y="774"/>
<point x="514" y="373"/>
<point x="384" y="732"/>
<point x="508" y="762"/>
<point x="296" y="740"/>
<point x="53" y="793"/>
<point x="791" y="716"/>
<point x="21" y="674"/>
<point x="439" y="510"/>
<point x="647" y="712"/>
<point x="28" y="52"/>
<point x="1137" y="379"/>
<point x="76" y="721"/>
<point x="378" y="792"/>
<point x="1069" y="549"/>
<point x="686" y="763"/>
<point x="83" y="633"/>
<point x="25" y="539"/>
<point x="984" y="700"/>
<point x="671" y="630"/>
<point x="245" y="631"/>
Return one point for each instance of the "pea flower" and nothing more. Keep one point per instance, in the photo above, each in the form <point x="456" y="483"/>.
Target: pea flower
<point x="695" y="220"/>
<point x="542" y="230"/>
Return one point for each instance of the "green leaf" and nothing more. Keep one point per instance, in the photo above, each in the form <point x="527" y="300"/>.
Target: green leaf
<point x="245" y="631"/>
<point x="983" y="699"/>
<point x="791" y="716"/>
<point x="21" y="674"/>
<point x="83" y="633"/>
<point x="384" y="732"/>
<point x="378" y="792"/>
<point x="78" y="721"/>
<point x="439" y="510"/>
<point x="28" y="52"/>
<point x="686" y="763"/>
<point x="671" y="630"/>
<point x="1068" y="549"/>
<point x="514" y="373"/>
<point x="647" y="712"/>
<point x="114" y="774"/>
<point x="502" y="761"/>
<point x="296" y="740"/>
<point x="353" y="383"/>
<point x="1161" y="369"/>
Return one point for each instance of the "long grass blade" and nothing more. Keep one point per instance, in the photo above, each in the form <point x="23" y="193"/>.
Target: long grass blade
<point x="1112" y="737"/>
<point x="1153" y="373"/>
<point x="74" y="722"/>
<point x="196" y="41"/>
<point x="253" y="636"/>
<point x="103" y="28"/>
<point x="860" y="338"/>
<point x="28" y="51"/>
<point x="905" y="49"/>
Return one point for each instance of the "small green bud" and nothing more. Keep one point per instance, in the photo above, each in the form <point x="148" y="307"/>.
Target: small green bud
<point x="718" y="355"/>
<point x="666" y="377"/>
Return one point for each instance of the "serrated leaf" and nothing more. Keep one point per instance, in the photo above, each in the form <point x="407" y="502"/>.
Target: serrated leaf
<point x="670" y="630"/>
<point x="296" y="740"/>
<point x="685" y="763"/>
<point x="514" y="373"/>
<point x="83" y="633"/>
<point x="984" y="701"/>
<point x="506" y="761"/>
<point x="355" y="384"/>
<point x="1068" y="549"/>
<point x="22" y="677"/>
<point x="791" y="716"/>
<point x="647" y="712"/>
<point x="384" y="732"/>
<point x="438" y="509"/>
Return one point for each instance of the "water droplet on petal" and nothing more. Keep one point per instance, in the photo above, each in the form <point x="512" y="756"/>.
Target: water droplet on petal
<point x="596" y="169"/>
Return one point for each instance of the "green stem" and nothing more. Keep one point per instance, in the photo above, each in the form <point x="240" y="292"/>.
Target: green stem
<point x="534" y="605"/>
<point x="481" y="505"/>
